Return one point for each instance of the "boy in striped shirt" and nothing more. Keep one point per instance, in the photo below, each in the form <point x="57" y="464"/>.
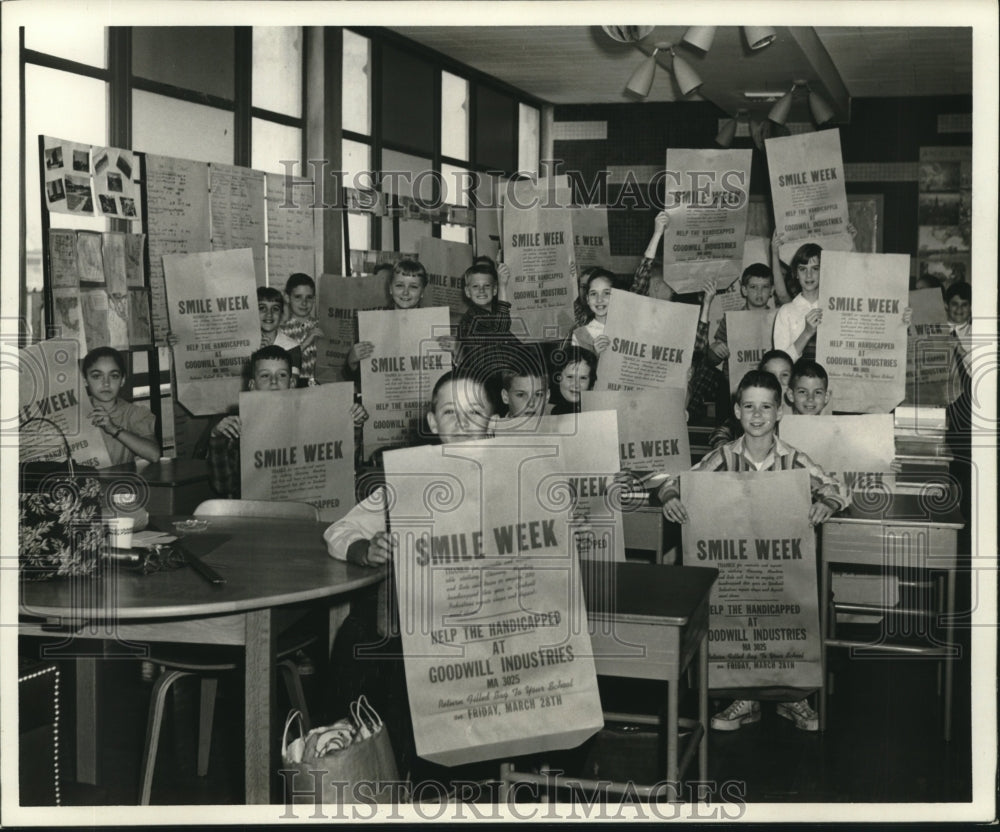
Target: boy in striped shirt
<point x="758" y="408"/>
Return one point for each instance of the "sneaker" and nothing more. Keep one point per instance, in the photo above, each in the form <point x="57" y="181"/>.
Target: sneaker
<point x="804" y="717"/>
<point x="741" y="712"/>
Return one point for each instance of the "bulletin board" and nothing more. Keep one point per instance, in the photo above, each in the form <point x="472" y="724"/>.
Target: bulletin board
<point x="107" y="288"/>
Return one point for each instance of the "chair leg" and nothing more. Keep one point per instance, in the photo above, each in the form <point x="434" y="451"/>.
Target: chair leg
<point x="153" y="725"/>
<point x="206" y="716"/>
<point x="290" y="673"/>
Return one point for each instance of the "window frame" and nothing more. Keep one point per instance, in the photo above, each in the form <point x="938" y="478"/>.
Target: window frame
<point x="377" y="37"/>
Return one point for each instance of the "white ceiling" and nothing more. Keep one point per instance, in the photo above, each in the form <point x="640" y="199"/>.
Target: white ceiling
<point x="582" y="65"/>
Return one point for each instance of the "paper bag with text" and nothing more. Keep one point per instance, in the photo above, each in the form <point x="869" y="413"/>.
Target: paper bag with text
<point x="538" y="247"/>
<point x="861" y="340"/>
<point x="213" y="313"/>
<point x="591" y="241"/>
<point x="748" y="336"/>
<point x="582" y="468"/>
<point x="930" y="352"/>
<point x="807" y="189"/>
<point x="652" y="428"/>
<point x="706" y="194"/>
<point x="299" y="445"/>
<point x="398" y="377"/>
<point x="446" y="263"/>
<point x="651" y="343"/>
<point x="764" y="616"/>
<point x="337" y="305"/>
<point x="50" y="387"/>
<point x="495" y="640"/>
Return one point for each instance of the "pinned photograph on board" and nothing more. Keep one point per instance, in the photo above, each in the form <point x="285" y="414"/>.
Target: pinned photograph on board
<point x="81" y="161"/>
<point x="124" y="165"/>
<point x="108" y="204"/>
<point x="101" y="162"/>
<point x="939" y="176"/>
<point x="54" y="190"/>
<point x="115" y="182"/>
<point x="78" y="196"/>
<point x="128" y="206"/>
<point x="944" y="238"/>
<point x="54" y="157"/>
<point x="939" y="209"/>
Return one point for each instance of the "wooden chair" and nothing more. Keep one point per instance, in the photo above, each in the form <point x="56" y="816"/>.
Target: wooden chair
<point x="209" y="662"/>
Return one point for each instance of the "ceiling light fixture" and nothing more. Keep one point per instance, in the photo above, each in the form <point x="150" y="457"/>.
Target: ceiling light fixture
<point x="700" y="37"/>
<point x="728" y="131"/>
<point x="641" y="81"/>
<point x="759" y="36"/>
<point x="627" y="34"/>
<point x="820" y="108"/>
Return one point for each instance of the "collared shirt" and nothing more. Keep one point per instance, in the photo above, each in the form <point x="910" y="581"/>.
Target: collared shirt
<point x="789" y="323"/>
<point x="782" y="457"/>
<point x="134" y="419"/>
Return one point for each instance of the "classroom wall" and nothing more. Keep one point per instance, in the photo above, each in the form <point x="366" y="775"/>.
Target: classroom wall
<point x="881" y="147"/>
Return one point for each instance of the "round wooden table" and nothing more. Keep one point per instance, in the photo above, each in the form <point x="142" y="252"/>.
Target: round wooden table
<point x="267" y="564"/>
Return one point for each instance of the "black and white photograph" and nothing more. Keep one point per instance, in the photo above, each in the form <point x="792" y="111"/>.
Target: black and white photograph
<point x="79" y="195"/>
<point x="124" y="165"/>
<point x="54" y="190"/>
<point x="629" y="441"/>
<point x="107" y="204"/>
<point x="81" y="161"/>
<point x="53" y="158"/>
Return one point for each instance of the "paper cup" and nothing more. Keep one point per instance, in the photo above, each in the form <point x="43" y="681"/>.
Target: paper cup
<point x="120" y="532"/>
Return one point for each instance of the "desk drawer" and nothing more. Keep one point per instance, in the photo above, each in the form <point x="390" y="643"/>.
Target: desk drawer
<point x="916" y="545"/>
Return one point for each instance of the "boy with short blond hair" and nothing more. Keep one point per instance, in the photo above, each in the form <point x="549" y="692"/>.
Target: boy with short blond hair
<point x="758" y="407"/>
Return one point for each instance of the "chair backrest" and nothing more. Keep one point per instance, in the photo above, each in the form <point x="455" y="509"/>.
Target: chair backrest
<point x="291" y="509"/>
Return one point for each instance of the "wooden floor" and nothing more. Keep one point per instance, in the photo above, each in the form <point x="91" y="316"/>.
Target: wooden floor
<point x="883" y="743"/>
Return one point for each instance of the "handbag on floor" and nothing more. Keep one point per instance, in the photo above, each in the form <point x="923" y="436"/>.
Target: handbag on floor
<point x="61" y="531"/>
<point x="350" y="761"/>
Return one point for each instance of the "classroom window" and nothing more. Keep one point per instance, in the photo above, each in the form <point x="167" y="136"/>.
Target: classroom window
<point x="356" y="93"/>
<point x="355" y="162"/>
<point x="83" y="44"/>
<point x="198" y="58"/>
<point x="410" y="177"/>
<point x="271" y="144"/>
<point x="407" y="100"/>
<point x="65" y="106"/>
<point x="207" y="135"/>
<point x="496" y="129"/>
<point x="277" y="69"/>
<point x="454" y="116"/>
<point x="457" y="183"/>
<point x="527" y="138"/>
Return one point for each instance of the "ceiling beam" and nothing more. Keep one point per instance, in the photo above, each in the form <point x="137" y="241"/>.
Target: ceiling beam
<point x="826" y="71"/>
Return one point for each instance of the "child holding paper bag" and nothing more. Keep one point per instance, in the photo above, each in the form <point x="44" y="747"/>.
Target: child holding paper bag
<point x="758" y="407"/>
<point x="406" y="285"/>
<point x="270" y="371"/>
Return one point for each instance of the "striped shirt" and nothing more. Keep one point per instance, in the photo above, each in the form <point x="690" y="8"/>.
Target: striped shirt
<point x="782" y="457"/>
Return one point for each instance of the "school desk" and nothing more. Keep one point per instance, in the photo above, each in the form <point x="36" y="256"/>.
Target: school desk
<point x="647" y="622"/>
<point x="267" y="563"/>
<point x="172" y="486"/>
<point x="896" y="532"/>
